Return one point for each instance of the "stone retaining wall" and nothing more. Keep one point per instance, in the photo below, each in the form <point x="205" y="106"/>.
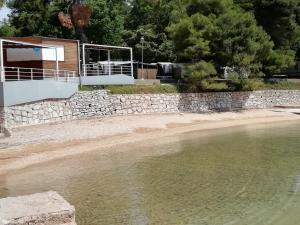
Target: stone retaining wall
<point x="99" y="103"/>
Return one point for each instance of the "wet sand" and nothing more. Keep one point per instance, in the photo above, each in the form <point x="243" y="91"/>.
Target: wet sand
<point x="37" y="144"/>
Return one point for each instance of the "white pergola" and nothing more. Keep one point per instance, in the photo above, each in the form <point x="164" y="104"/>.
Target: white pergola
<point x="108" y="49"/>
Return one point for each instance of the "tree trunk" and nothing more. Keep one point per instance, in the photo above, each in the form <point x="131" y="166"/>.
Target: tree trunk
<point x="79" y="31"/>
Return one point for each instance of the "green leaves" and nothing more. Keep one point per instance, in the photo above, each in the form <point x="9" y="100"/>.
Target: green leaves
<point x="191" y="37"/>
<point x="224" y="33"/>
<point x="239" y="41"/>
<point x="106" y="23"/>
<point x="253" y="36"/>
<point x="200" y="76"/>
<point x="37" y="17"/>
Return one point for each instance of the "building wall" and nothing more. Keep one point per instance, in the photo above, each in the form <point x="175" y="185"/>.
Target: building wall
<point x="99" y="104"/>
<point x="71" y="52"/>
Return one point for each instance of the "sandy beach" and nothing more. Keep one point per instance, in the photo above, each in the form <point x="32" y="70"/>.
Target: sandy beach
<point x="37" y="144"/>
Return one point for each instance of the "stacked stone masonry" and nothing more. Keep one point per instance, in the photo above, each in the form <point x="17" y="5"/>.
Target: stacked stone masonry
<point x="100" y="103"/>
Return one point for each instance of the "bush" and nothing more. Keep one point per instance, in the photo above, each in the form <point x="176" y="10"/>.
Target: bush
<point x="239" y="83"/>
<point x="251" y="84"/>
<point x="201" y="76"/>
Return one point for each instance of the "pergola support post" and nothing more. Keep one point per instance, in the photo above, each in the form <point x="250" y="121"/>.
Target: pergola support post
<point x="57" y="67"/>
<point x="2" y="74"/>
<point x="108" y="58"/>
<point x="131" y="61"/>
<point x="83" y="60"/>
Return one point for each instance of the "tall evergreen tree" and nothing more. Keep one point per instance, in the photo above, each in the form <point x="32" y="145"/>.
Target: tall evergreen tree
<point x="107" y="21"/>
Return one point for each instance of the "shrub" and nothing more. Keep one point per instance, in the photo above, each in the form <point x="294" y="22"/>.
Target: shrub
<point x="240" y="83"/>
<point x="201" y="76"/>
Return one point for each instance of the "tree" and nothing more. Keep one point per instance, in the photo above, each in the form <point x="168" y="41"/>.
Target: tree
<point x="149" y="19"/>
<point x="157" y="47"/>
<point x="77" y="16"/>
<point x="279" y="18"/>
<point x="193" y="32"/>
<point x="201" y="77"/>
<point x="40" y="17"/>
<point x="222" y="32"/>
<point x="6" y="30"/>
<point x="239" y="42"/>
<point x="208" y="7"/>
<point x="107" y="22"/>
<point x="37" y="17"/>
<point x="192" y="37"/>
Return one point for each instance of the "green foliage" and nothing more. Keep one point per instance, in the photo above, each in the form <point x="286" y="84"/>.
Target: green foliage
<point x="248" y="84"/>
<point x="106" y="23"/>
<point x="227" y="35"/>
<point x="281" y="85"/>
<point x="239" y="42"/>
<point x="253" y="36"/>
<point x="37" y="17"/>
<point x="134" y="89"/>
<point x="6" y="30"/>
<point x="149" y="19"/>
<point x="191" y="37"/>
<point x="201" y="77"/>
<point x="279" y="60"/>
<point x="208" y="7"/>
<point x="157" y="47"/>
<point x="240" y="85"/>
<point x="279" y="19"/>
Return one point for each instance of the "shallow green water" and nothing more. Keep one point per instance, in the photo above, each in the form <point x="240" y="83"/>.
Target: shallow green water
<point x="242" y="176"/>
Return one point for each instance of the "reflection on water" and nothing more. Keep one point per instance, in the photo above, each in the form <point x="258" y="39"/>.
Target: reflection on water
<point x="242" y="176"/>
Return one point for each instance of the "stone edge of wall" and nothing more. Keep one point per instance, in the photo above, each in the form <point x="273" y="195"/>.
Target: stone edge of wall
<point x="41" y="208"/>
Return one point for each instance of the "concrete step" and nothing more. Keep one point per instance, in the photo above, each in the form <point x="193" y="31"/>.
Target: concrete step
<point x="42" y="208"/>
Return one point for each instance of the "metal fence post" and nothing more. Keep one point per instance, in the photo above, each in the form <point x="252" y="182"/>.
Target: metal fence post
<point x="18" y="72"/>
<point x="131" y="62"/>
<point x="109" y="65"/>
<point x="31" y="74"/>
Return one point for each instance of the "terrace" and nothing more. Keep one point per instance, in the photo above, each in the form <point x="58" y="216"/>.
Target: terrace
<point x="106" y="65"/>
<point x="33" y="71"/>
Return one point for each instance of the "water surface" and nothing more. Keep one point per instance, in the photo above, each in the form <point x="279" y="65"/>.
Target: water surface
<point x="243" y="176"/>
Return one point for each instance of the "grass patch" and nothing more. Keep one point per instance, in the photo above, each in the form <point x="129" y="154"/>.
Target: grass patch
<point x="135" y="89"/>
<point x="281" y="85"/>
<point x="248" y="85"/>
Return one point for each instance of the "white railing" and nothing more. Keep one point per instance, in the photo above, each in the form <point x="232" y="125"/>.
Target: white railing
<point x="106" y="70"/>
<point x="23" y="74"/>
